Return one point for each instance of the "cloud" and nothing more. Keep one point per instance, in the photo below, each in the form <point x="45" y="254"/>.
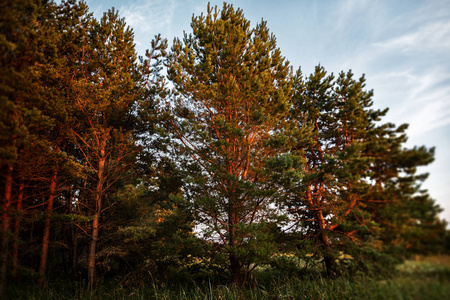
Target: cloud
<point x="151" y="16"/>
<point x="352" y="17"/>
<point x="434" y="36"/>
<point x="417" y="96"/>
<point x="406" y="61"/>
<point x="422" y="74"/>
<point x="427" y="105"/>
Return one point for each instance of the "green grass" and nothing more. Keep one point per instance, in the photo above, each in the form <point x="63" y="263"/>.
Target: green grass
<point x="420" y="278"/>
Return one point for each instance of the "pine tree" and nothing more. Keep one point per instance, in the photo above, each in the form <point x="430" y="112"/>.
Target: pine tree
<point x="21" y="49"/>
<point x="405" y="217"/>
<point x="63" y="27"/>
<point x="360" y="194"/>
<point x="326" y="201"/>
<point x="232" y="88"/>
<point x="107" y="87"/>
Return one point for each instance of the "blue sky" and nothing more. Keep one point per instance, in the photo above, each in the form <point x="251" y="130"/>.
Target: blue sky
<point x="402" y="46"/>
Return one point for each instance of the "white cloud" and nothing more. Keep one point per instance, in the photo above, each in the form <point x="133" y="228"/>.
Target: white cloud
<point x="418" y="97"/>
<point x="150" y="16"/>
<point x="346" y="10"/>
<point x="434" y="36"/>
<point x="406" y="64"/>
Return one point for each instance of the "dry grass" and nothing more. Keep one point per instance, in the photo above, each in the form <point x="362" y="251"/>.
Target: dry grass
<point x="426" y="264"/>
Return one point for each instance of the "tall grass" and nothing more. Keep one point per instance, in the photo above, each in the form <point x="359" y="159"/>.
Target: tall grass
<point x="422" y="278"/>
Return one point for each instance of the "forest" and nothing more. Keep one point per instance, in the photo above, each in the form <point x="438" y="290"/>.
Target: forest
<point x="207" y="160"/>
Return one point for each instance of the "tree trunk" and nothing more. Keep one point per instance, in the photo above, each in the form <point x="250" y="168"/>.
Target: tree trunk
<point x="5" y="229"/>
<point x="95" y="222"/>
<point x="74" y="252"/>
<point x="15" y="254"/>
<point x="330" y="265"/>
<point x="237" y="275"/>
<point x="328" y="257"/>
<point x="71" y="237"/>
<point x="46" y="236"/>
<point x="91" y="259"/>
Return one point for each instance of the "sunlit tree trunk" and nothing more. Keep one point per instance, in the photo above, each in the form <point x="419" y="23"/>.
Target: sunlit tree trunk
<point x="5" y="228"/>
<point x="15" y="254"/>
<point x="95" y="222"/>
<point x="328" y="257"/>
<point x="46" y="235"/>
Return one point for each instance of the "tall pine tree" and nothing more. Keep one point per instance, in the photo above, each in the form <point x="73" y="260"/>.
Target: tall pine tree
<point x="108" y="85"/>
<point x="325" y="203"/>
<point x="232" y="88"/>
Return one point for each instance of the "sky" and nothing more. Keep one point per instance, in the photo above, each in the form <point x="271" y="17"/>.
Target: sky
<point x="402" y="47"/>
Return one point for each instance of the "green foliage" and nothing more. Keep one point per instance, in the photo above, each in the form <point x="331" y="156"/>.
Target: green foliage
<point x="150" y="230"/>
<point x="231" y="88"/>
<point x="242" y="170"/>
<point x="352" y="164"/>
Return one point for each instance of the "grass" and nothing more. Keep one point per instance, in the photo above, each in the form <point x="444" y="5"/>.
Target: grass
<point x="419" y="278"/>
<point x="426" y="265"/>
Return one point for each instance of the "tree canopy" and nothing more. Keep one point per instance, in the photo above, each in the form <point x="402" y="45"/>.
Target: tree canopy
<point x="208" y="157"/>
<point x="232" y="92"/>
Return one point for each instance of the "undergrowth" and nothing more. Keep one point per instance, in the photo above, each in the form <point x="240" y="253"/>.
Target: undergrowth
<point x="421" y="278"/>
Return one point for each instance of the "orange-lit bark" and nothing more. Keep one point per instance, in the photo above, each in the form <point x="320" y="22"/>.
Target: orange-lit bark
<point x="96" y="220"/>
<point x="5" y="228"/>
<point x="15" y="254"/>
<point x="46" y="235"/>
